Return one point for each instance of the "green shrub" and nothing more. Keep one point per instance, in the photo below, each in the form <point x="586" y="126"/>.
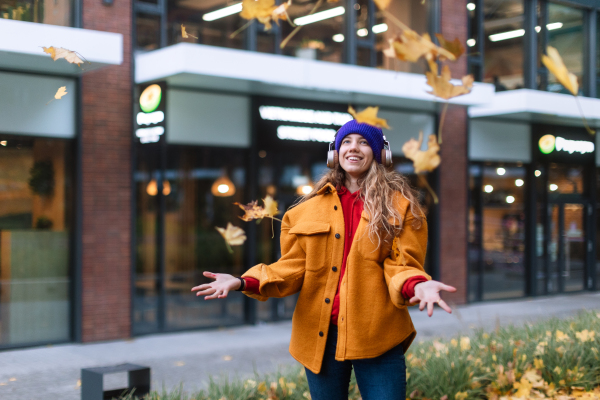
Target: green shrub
<point x="548" y="359"/>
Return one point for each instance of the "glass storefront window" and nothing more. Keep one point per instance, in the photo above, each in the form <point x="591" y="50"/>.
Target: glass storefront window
<point x="212" y="22"/>
<point x="565" y="179"/>
<point x="56" y="12"/>
<point x="415" y="14"/>
<point x="320" y="40"/>
<point x="565" y="33"/>
<point x="500" y="226"/>
<point x="147" y="32"/>
<point x="36" y="206"/>
<point x="503" y="44"/>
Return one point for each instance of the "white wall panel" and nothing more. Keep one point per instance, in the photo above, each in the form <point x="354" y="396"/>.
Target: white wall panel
<point x="208" y="119"/>
<point x="28" y="107"/>
<point x="405" y="126"/>
<point x="499" y="141"/>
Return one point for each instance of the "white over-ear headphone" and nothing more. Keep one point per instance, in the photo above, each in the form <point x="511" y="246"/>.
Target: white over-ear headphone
<point x="333" y="158"/>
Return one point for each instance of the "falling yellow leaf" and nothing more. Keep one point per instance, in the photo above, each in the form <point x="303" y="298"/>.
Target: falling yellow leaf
<point x="455" y="47"/>
<point x="410" y="46"/>
<point x="186" y="35"/>
<point x="553" y="61"/>
<point x="60" y="93"/>
<point x="253" y="211"/>
<point x="423" y="160"/>
<point x="383" y="4"/>
<point x="369" y="116"/>
<point x="270" y="207"/>
<point x="443" y="88"/>
<point x="233" y="236"/>
<point x="264" y="11"/>
<point x="59" y="52"/>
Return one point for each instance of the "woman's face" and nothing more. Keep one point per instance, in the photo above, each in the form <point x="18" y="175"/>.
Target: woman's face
<point x="355" y="155"/>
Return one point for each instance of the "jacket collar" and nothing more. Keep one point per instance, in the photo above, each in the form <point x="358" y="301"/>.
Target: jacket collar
<point x="327" y="188"/>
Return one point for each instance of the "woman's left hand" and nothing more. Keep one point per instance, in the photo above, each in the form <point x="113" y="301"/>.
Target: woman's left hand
<point x="428" y="293"/>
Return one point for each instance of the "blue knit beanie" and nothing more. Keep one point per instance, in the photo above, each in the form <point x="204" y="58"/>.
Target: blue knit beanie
<point x="372" y="134"/>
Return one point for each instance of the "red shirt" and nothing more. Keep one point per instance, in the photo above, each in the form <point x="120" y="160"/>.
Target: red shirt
<point x="352" y="207"/>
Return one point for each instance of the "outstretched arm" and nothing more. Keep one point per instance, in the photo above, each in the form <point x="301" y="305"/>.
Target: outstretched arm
<point x="428" y="293"/>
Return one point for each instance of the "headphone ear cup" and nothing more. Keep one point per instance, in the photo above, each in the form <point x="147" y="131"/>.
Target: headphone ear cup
<point x="386" y="157"/>
<point x="332" y="159"/>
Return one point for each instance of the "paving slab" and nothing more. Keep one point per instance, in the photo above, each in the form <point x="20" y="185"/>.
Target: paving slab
<point x="189" y="358"/>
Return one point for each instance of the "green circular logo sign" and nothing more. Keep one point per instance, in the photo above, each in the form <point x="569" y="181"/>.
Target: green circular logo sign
<point x="547" y="144"/>
<point x="150" y="98"/>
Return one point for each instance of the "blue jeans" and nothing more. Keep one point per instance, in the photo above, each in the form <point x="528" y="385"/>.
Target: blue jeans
<point x="379" y="378"/>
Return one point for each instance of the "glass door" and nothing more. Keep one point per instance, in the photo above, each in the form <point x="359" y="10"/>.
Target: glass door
<point x="567" y="247"/>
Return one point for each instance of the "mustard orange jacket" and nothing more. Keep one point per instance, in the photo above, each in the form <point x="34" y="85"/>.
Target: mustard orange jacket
<point x="373" y="315"/>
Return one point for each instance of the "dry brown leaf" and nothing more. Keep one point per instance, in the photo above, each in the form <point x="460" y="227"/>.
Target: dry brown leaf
<point x="443" y="88"/>
<point x="553" y="61"/>
<point x="264" y="11"/>
<point x="410" y="46"/>
<point x="423" y="161"/>
<point x="186" y="35"/>
<point x="383" y="4"/>
<point x="61" y="92"/>
<point x="59" y="52"/>
<point x="252" y="210"/>
<point x="455" y="47"/>
<point x="368" y="116"/>
<point x="233" y="236"/>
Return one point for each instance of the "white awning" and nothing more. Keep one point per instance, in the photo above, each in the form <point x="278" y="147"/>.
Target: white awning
<point x="187" y="65"/>
<point x="538" y="106"/>
<point x="22" y="42"/>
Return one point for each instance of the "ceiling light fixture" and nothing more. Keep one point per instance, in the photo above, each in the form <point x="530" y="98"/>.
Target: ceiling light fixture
<point x="362" y="32"/>
<point x="223" y="12"/>
<point x="379" y="28"/>
<point x="338" y="38"/>
<point x="496" y="37"/>
<point x="471" y="6"/>
<point x="471" y="42"/>
<point x="500" y="171"/>
<point x="320" y="16"/>
<point x="488" y="188"/>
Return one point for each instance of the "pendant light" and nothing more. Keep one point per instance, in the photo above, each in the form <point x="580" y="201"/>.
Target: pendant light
<point x="223" y="187"/>
<point x="152" y="188"/>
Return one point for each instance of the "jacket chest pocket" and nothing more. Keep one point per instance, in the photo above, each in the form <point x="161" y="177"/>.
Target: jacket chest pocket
<point x="312" y="236"/>
<point x="371" y="250"/>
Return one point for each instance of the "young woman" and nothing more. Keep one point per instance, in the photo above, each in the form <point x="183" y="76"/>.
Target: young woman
<point x="354" y="248"/>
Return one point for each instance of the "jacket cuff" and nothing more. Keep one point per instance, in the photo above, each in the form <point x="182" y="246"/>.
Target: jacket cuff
<point x="252" y="285"/>
<point x="408" y="289"/>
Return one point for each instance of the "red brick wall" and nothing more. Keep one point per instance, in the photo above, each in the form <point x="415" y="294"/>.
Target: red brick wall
<point x="106" y="169"/>
<point x="453" y="169"/>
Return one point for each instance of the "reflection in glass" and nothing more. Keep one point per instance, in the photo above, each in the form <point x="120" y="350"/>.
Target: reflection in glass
<point x="574" y="247"/>
<point x="563" y="179"/>
<point x="192" y="244"/>
<point x="565" y="33"/>
<point x="212" y="22"/>
<point x="52" y="12"/>
<point x="35" y="223"/>
<point x="147" y="32"/>
<point x="497" y="207"/>
<point x="317" y="40"/>
<point x="503" y="44"/>
<point x="146" y="279"/>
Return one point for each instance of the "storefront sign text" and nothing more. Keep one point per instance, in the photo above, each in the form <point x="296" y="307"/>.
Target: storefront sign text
<point x="303" y="133"/>
<point x="302" y="115"/>
<point x="549" y="143"/>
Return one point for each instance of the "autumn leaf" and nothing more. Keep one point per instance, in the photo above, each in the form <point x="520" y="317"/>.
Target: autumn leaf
<point x="368" y="116"/>
<point x="253" y="211"/>
<point x="553" y="61"/>
<point x="424" y="161"/>
<point x="410" y="46"/>
<point x="233" y="236"/>
<point x="270" y="207"/>
<point x="61" y="92"/>
<point x="443" y="88"/>
<point x="264" y="11"/>
<point x="383" y="4"/>
<point x="59" y="52"/>
<point x="184" y="34"/>
<point x="455" y="47"/>
<point x="523" y="388"/>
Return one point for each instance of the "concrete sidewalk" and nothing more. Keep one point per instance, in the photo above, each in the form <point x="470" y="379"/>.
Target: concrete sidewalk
<point x="190" y="358"/>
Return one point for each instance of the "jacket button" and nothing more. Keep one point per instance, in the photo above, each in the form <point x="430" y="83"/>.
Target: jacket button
<point x="335" y="207"/>
<point x="327" y="301"/>
<point x="334" y="269"/>
<point x="321" y="334"/>
<point x="337" y="235"/>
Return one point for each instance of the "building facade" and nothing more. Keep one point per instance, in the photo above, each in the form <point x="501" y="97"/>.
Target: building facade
<point x="109" y="197"/>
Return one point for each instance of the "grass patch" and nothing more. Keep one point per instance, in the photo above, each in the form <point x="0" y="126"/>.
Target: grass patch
<point x="555" y="359"/>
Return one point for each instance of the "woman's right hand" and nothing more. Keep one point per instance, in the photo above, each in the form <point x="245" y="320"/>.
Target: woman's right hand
<point x="218" y="289"/>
